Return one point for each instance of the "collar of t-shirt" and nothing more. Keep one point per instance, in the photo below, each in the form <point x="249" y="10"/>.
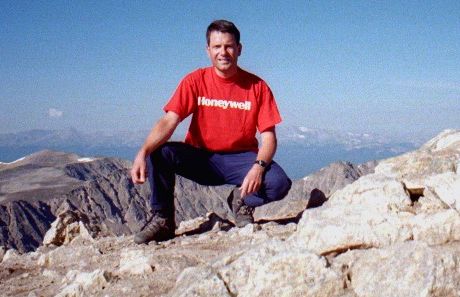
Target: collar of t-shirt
<point x="229" y="80"/>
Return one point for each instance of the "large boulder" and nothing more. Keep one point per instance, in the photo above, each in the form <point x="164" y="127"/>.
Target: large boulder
<point x="404" y="269"/>
<point x="269" y="269"/>
<point x="312" y="191"/>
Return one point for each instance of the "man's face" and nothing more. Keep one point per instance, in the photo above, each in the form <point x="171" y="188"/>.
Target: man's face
<point x="223" y="51"/>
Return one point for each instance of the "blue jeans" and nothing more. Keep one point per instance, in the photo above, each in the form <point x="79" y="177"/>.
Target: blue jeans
<point x="207" y="168"/>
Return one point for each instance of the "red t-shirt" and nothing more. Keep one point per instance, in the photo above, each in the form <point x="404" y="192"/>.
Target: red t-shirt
<point x="226" y="112"/>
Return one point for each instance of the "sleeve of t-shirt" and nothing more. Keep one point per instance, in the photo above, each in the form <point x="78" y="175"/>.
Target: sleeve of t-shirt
<point x="183" y="100"/>
<point x="268" y="115"/>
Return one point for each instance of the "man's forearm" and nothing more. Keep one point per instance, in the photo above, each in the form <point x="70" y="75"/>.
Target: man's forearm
<point x="160" y="133"/>
<point x="253" y="179"/>
<point x="268" y="148"/>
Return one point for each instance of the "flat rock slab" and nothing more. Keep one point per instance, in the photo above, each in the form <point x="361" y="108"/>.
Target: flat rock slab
<point x="280" y="210"/>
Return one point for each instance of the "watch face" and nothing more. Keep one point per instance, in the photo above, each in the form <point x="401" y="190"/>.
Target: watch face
<point x="261" y="163"/>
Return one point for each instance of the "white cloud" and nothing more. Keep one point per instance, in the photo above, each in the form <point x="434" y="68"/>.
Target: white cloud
<point x="55" y="113"/>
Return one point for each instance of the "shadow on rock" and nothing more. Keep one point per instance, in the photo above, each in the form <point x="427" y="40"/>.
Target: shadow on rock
<point x="317" y="198"/>
<point x="203" y="224"/>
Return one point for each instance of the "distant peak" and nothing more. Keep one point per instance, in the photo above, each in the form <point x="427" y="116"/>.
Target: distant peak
<point x="49" y="158"/>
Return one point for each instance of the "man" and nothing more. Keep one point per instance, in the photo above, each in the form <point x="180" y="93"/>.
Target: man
<point x="228" y="105"/>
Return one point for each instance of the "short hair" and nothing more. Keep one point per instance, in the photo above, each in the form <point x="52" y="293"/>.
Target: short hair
<point x="224" y="27"/>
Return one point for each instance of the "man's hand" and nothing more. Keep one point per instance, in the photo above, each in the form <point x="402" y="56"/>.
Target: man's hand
<point x="159" y="134"/>
<point x="139" y="170"/>
<point x="252" y="180"/>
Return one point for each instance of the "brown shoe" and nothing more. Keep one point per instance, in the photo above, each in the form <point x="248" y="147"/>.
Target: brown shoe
<point x="158" y="228"/>
<point x="242" y="213"/>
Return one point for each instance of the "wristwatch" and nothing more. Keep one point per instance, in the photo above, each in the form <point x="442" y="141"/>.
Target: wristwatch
<point x="261" y="163"/>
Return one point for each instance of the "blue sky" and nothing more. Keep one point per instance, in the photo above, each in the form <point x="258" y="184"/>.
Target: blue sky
<point x="386" y="67"/>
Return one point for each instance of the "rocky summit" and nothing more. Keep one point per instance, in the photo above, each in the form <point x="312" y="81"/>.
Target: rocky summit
<point x="38" y="188"/>
<point x="386" y="229"/>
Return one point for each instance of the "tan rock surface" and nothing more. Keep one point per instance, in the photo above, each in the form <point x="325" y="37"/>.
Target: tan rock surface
<point x="405" y="269"/>
<point x="125" y="262"/>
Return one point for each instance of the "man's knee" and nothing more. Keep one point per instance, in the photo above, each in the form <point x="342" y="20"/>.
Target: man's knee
<point x="278" y="185"/>
<point x="282" y="187"/>
<point x="165" y="152"/>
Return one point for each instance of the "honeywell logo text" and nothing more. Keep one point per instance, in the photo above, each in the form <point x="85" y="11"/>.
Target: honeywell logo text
<point x="224" y="104"/>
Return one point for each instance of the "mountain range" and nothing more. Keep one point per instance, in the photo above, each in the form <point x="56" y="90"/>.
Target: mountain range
<point x="301" y="150"/>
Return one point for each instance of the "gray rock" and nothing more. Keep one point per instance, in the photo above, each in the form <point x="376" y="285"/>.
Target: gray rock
<point x="202" y="224"/>
<point x="405" y="269"/>
<point x="2" y="253"/>
<point x="66" y="227"/>
<point x="283" y="210"/>
<point x="10" y="255"/>
<point x="329" y="179"/>
<point x="209" y="284"/>
<point x="331" y="230"/>
<point x="23" y="224"/>
<point x="81" y="284"/>
<point x="269" y="269"/>
<point x="193" y="200"/>
<point x="36" y="188"/>
<point x="312" y="191"/>
<point x="135" y="262"/>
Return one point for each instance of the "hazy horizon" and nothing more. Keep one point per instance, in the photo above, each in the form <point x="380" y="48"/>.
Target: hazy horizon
<point x="301" y="150"/>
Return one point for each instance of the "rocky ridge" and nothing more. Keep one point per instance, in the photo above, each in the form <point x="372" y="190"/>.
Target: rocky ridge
<point x="36" y="189"/>
<point x="392" y="232"/>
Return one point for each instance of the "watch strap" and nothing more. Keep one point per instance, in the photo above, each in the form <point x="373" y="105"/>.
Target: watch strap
<point x="261" y="163"/>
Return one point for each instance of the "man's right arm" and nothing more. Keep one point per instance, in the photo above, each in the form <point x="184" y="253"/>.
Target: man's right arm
<point x="159" y="134"/>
